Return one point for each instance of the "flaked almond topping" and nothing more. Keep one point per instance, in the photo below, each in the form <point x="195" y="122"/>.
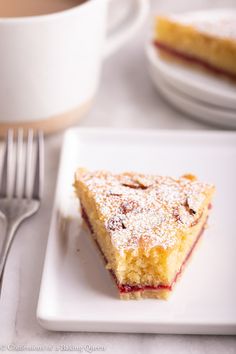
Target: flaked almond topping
<point x="183" y="214"/>
<point x="188" y="207"/>
<point x="133" y="185"/>
<point x="115" y="194"/>
<point x="128" y="206"/>
<point x="176" y="214"/>
<point x="144" y="182"/>
<point x="115" y="223"/>
<point x="134" y="182"/>
<point x="163" y="200"/>
<point x="190" y="177"/>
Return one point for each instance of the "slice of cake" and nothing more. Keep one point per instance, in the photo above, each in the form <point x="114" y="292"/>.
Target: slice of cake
<point x="146" y="226"/>
<point x="205" y="39"/>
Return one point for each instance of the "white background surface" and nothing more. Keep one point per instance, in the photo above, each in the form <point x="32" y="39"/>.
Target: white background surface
<point x="126" y="99"/>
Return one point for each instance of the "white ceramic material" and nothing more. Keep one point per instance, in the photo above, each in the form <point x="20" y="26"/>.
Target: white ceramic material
<point x="50" y="64"/>
<point x="77" y="292"/>
<point x="194" y="108"/>
<point x="194" y="83"/>
<point x="186" y="100"/>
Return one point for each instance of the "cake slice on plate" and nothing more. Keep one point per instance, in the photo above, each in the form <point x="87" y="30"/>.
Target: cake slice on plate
<point x="146" y="226"/>
<point x="205" y="39"/>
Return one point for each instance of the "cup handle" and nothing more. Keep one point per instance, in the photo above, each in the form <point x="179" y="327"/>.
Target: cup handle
<point x="124" y="31"/>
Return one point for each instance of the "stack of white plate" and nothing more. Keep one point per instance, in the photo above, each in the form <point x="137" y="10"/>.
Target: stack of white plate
<point x="196" y="93"/>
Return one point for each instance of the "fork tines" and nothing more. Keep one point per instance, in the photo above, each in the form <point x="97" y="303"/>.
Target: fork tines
<point x="21" y="173"/>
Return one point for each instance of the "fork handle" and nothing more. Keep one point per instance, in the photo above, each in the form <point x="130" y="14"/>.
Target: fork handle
<point x="10" y="232"/>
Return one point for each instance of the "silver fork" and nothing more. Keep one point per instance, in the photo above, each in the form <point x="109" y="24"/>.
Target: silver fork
<point x="21" y="184"/>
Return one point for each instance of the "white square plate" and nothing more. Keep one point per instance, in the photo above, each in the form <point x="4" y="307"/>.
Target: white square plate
<point x="78" y="294"/>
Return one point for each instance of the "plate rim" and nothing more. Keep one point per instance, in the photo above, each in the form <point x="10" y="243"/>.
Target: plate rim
<point x="189" y="107"/>
<point x="226" y="121"/>
<point x="60" y="324"/>
<point x="192" y="89"/>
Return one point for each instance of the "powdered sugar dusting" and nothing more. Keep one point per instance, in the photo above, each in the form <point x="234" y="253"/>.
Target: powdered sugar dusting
<point x="145" y="210"/>
<point x="218" y="22"/>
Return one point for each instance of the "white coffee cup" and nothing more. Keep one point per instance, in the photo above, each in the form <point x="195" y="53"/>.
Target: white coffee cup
<point x="50" y="64"/>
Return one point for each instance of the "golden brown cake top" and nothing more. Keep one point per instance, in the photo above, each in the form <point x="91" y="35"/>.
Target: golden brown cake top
<point x="218" y="22"/>
<point x="145" y="210"/>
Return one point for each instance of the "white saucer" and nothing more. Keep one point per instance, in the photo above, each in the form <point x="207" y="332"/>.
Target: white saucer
<point x="197" y="84"/>
<point x="195" y="109"/>
<point x="184" y="101"/>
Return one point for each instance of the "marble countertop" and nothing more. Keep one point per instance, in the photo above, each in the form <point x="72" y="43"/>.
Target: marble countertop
<point x="126" y="98"/>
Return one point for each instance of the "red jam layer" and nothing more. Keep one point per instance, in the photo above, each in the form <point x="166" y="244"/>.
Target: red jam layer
<point x="194" y="60"/>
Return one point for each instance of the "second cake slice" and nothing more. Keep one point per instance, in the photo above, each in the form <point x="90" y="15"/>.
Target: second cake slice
<point x="205" y="40"/>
